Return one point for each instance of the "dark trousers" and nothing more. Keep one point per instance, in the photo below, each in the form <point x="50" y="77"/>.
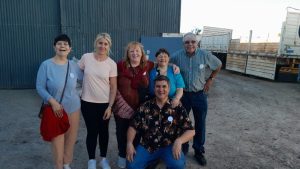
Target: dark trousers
<point x="97" y="128"/>
<point x="122" y="126"/>
<point x="196" y="101"/>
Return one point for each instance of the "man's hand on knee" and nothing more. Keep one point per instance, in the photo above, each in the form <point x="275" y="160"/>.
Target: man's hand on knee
<point x="130" y="150"/>
<point x="177" y="149"/>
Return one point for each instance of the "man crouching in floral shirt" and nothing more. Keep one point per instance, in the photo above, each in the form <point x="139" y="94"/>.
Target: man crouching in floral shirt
<point x="163" y="130"/>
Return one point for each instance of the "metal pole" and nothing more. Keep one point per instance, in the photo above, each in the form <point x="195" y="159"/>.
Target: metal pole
<point x="249" y="43"/>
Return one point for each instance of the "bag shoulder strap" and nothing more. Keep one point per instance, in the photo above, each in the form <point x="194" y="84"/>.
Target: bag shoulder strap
<point x="62" y="95"/>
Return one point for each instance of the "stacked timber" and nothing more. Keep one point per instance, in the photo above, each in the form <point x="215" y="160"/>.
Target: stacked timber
<point x="258" y="59"/>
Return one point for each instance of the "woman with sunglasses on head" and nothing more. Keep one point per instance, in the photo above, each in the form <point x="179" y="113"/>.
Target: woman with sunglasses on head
<point x="98" y="94"/>
<point x="55" y="75"/>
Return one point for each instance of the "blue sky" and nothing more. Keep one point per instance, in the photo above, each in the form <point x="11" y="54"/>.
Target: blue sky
<point x="263" y="17"/>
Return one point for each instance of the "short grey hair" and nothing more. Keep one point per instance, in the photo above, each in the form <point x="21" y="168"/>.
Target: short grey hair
<point x="189" y="36"/>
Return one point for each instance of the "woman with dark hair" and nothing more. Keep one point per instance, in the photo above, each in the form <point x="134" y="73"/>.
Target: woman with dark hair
<point x="163" y="68"/>
<point x="51" y="78"/>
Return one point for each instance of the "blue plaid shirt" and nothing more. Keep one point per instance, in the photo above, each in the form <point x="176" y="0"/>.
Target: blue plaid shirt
<point x="195" y="68"/>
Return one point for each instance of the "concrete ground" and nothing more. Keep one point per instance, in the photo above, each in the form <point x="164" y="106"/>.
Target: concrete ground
<point x="251" y="123"/>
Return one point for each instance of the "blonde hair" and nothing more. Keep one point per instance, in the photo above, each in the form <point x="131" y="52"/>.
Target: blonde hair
<point x="143" y="61"/>
<point x="105" y="36"/>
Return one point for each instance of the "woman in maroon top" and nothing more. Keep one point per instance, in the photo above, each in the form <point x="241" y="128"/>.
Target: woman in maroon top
<point x="133" y="74"/>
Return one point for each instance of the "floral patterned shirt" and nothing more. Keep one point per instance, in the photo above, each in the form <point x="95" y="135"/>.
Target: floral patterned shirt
<point x="160" y="127"/>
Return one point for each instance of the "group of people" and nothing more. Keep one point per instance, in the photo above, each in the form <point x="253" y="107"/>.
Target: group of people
<point x="147" y="130"/>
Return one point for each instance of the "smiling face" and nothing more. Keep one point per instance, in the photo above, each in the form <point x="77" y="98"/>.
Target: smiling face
<point x="135" y="54"/>
<point x="102" y="46"/>
<point x="161" y="89"/>
<point x="190" y="46"/>
<point x="190" y="43"/>
<point x="62" y="48"/>
<point x="162" y="59"/>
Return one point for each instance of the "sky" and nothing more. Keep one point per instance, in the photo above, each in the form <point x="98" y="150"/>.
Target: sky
<point x="263" y="17"/>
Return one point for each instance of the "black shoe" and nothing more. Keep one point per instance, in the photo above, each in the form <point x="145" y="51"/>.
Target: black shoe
<point x="200" y="159"/>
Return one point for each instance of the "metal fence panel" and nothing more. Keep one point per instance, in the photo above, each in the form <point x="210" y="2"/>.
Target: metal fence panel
<point x="28" y="27"/>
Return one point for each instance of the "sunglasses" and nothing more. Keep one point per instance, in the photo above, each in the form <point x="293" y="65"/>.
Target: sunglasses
<point x="188" y="42"/>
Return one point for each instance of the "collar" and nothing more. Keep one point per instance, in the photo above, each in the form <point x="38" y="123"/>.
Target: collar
<point x="168" y="102"/>
<point x="193" y="54"/>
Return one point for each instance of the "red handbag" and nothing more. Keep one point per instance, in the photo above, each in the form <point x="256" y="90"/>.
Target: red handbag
<point x="52" y="126"/>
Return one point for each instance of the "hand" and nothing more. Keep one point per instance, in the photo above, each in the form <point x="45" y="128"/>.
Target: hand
<point x="130" y="152"/>
<point x="207" y="85"/>
<point x="175" y="102"/>
<point x="176" y="69"/>
<point x="57" y="109"/>
<point x="107" y="113"/>
<point x="176" y="150"/>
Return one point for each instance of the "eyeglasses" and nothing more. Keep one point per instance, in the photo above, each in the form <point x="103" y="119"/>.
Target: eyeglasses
<point x="188" y="42"/>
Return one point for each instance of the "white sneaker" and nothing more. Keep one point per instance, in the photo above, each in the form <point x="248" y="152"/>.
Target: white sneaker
<point x="104" y="164"/>
<point x="92" y="164"/>
<point x="67" y="166"/>
<point x="121" y="162"/>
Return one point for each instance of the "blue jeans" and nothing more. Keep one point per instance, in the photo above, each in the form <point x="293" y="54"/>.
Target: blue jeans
<point x="197" y="101"/>
<point x="143" y="158"/>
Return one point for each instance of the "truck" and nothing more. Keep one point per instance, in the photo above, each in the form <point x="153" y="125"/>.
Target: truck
<point x="217" y="40"/>
<point x="274" y="61"/>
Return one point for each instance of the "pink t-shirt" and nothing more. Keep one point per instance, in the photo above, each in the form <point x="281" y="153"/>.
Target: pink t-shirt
<point x="95" y="87"/>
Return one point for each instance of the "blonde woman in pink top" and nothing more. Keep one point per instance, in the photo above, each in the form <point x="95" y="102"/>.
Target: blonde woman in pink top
<point x="98" y="95"/>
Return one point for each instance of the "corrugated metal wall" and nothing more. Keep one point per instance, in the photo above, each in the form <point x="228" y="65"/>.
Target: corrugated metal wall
<point x="27" y="29"/>
<point x="26" y="32"/>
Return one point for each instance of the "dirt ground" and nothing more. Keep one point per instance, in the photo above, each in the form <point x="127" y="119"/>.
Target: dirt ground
<point x="251" y="123"/>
